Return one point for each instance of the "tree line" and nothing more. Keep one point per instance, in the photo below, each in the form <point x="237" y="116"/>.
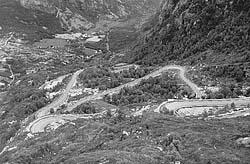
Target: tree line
<point x="152" y="89"/>
<point x="104" y="78"/>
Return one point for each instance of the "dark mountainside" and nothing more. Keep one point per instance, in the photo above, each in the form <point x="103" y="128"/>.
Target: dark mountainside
<point x="194" y="31"/>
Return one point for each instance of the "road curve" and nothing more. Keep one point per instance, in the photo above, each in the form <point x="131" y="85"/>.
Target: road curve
<point x="193" y="86"/>
<point x="177" y="105"/>
<point x="156" y="73"/>
<point x="43" y="118"/>
<point x="62" y="98"/>
<point x="40" y="124"/>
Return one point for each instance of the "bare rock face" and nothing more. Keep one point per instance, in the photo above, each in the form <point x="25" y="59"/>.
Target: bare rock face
<point x="83" y="14"/>
<point x="244" y="142"/>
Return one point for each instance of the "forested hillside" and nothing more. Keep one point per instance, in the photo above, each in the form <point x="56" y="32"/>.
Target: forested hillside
<point x="196" y="30"/>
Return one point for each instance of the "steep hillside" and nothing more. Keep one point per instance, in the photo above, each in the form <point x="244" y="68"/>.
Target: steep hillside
<point x="26" y="23"/>
<point x="83" y="14"/>
<point x="151" y="139"/>
<point x="82" y="103"/>
<point x="197" y="30"/>
<point x="36" y="19"/>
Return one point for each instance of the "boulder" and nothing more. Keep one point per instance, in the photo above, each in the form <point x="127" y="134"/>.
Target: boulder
<point x="244" y="142"/>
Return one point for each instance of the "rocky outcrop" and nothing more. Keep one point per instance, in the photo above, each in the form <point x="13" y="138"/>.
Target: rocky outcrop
<point x="244" y="142"/>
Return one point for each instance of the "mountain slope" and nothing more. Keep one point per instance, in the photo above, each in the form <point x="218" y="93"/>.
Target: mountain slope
<point x="83" y="14"/>
<point x="194" y="31"/>
<point x="36" y="19"/>
<point x="26" y="23"/>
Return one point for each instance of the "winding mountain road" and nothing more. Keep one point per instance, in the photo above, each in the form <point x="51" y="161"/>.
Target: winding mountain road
<point x="137" y="81"/>
<point x="44" y="118"/>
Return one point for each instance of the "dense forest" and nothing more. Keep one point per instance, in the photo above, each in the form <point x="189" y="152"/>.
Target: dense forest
<point x="239" y="73"/>
<point x="86" y="108"/>
<point x="152" y="89"/>
<point x="103" y="77"/>
<point x="196" y="30"/>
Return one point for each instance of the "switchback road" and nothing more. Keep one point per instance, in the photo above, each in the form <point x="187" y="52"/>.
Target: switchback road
<point x="44" y="119"/>
<point x="182" y="71"/>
